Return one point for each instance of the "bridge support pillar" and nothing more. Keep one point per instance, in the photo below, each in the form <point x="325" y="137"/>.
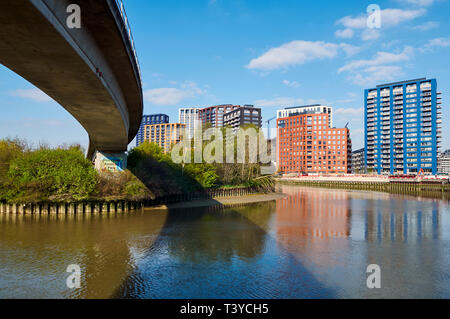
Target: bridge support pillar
<point x="110" y="162"/>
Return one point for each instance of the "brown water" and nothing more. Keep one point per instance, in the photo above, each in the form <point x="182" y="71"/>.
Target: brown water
<point x="315" y="243"/>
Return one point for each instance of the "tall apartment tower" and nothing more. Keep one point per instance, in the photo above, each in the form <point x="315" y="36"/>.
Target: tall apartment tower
<point x="403" y="127"/>
<point x="149" y="120"/>
<point x="214" y="114"/>
<point x="240" y="117"/>
<point x="189" y="117"/>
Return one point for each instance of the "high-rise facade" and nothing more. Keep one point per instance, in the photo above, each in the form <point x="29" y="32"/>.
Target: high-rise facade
<point x="358" y="164"/>
<point x="307" y="144"/>
<point x="245" y="115"/>
<point x="214" y="114"/>
<point x="444" y="162"/>
<point x="403" y="127"/>
<point x="164" y="135"/>
<point x="189" y="117"/>
<point x="148" y="120"/>
<point x="307" y="109"/>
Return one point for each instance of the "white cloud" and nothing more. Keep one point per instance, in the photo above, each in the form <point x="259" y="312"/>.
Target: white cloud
<point x="294" y="53"/>
<point x="427" y="26"/>
<point x="379" y="59"/>
<point x="436" y="43"/>
<point x="292" y="84"/>
<point x="370" y="34"/>
<point x="173" y="96"/>
<point x="420" y="3"/>
<point x="345" y="33"/>
<point x="32" y="94"/>
<point x="389" y="18"/>
<point x="376" y="74"/>
<point x="280" y="102"/>
<point x="377" y="69"/>
<point x="299" y="52"/>
<point x="350" y="49"/>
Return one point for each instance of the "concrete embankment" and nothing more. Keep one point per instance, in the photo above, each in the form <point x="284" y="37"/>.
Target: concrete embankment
<point x="226" y="201"/>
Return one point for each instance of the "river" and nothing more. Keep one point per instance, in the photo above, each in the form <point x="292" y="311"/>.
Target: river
<point x="315" y="243"/>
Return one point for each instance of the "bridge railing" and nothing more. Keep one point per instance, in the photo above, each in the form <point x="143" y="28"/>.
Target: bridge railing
<point x="124" y="16"/>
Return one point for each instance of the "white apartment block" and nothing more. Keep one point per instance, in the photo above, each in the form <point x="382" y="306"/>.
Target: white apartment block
<point x="189" y="117"/>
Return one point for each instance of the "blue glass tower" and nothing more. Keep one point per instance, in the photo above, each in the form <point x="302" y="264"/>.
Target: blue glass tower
<point x="148" y="120"/>
<point x="403" y="127"/>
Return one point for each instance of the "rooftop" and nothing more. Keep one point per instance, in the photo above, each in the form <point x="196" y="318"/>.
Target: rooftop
<point x="401" y="82"/>
<point x="297" y="107"/>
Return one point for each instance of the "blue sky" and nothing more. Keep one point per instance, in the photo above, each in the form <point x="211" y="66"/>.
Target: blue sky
<point x="269" y="53"/>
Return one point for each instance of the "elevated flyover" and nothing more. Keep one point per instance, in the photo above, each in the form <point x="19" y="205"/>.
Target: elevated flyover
<point x="91" y="71"/>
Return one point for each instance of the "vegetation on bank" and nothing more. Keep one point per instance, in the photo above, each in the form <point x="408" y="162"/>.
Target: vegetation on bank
<point x="59" y="175"/>
<point x="63" y="174"/>
<point x="164" y="177"/>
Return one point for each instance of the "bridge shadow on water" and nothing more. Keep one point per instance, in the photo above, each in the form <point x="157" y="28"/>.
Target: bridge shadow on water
<point x="219" y="253"/>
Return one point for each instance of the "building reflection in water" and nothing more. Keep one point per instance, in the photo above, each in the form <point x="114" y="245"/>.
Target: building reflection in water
<point x="401" y="219"/>
<point x="338" y="233"/>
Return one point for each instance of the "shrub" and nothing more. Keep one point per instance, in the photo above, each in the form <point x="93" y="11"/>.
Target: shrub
<point x="60" y="175"/>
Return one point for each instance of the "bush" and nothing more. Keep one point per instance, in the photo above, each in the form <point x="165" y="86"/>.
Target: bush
<point x="60" y="175"/>
<point x="9" y="150"/>
<point x="121" y="186"/>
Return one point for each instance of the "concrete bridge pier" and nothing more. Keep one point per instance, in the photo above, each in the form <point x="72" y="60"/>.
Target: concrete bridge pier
<point x="110" y="162"/>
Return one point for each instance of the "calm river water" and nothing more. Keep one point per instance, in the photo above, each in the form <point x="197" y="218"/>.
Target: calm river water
<point x="315" y="243"/>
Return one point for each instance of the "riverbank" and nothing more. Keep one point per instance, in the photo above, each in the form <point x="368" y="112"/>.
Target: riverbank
<point x="425" y="189"/>
<point x="223" y="201"/>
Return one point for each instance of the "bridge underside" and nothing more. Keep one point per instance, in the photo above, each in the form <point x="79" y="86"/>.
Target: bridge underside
<point x="87" y="71"/>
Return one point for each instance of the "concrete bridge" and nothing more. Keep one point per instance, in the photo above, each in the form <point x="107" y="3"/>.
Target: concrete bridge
<point x="92" y="71"/>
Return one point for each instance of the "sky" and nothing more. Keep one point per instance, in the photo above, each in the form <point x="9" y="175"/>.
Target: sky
<point x="269" y="53"/>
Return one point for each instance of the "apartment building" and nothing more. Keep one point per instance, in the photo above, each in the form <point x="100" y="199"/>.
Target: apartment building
<point x="190" y="118"/>
<point x="444" y="162"/>
<point x="242" y="116"/>
<point x="214" y="114"/>
<point x="403" y="127"/>
<point x="165" y="135"/>
<point x="307" y="144"/>
<point x="148" y="120"/>
<point x="358" y="164"/>
<point x="307" y="109"/>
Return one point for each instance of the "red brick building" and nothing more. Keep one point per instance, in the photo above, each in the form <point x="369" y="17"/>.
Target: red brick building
<point x="306" y="144"/>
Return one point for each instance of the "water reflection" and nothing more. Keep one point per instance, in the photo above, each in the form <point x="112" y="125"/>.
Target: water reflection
<point x="338" y="233"/>
<point x="315" y="243"/>
<point x="35" y="252"/>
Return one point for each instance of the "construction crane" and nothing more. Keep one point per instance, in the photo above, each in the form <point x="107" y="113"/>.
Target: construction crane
<point x="268" y="127"/>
